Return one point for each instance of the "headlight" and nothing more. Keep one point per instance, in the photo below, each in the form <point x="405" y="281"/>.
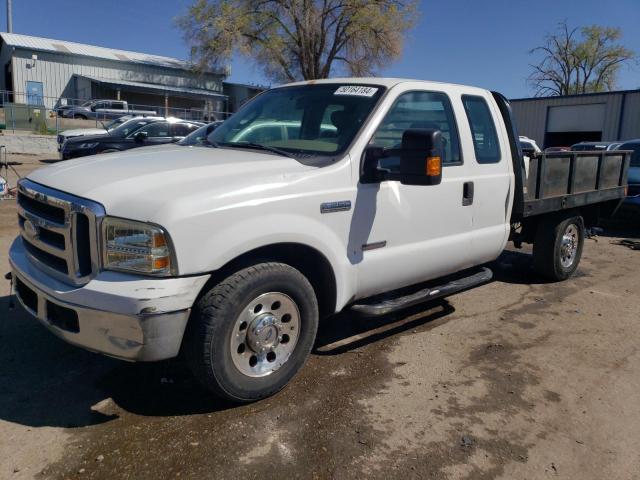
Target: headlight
<point x="88" y="145"/>
<point x="136" y="247"/>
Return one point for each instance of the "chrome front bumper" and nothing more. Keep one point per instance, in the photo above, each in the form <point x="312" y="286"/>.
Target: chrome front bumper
<point x="123" y="316"/>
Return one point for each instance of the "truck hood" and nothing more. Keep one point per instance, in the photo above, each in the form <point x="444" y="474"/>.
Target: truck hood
<point x="141" y="183"/>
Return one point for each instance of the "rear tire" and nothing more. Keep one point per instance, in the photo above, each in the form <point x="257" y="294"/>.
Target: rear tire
<point x="251" y="333"/>
<point x="557" y="247"/>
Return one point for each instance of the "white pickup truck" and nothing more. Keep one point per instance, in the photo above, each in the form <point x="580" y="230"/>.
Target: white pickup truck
<point x="315" y="197"/>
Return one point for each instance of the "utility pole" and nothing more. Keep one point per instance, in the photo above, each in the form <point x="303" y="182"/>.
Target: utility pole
<point x="9" y="17"/>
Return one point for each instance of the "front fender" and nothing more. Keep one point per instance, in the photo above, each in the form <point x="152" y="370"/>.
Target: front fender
<point x="217" y="249"/>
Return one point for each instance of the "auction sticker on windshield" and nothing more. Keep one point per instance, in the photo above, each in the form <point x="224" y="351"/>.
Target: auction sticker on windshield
<point x="360" y="91"/>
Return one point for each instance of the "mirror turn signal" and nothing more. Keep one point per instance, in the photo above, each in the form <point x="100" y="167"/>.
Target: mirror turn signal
<point x="434" y="166"/>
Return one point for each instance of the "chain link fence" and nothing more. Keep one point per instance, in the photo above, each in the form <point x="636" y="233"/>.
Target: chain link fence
<point x="42" y="115"/>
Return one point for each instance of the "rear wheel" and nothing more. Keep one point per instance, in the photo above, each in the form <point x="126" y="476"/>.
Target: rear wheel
<point x="251" y="333"/>
<point x="557" y="248"/>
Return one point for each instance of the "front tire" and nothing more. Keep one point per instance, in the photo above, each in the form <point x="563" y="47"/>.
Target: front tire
<point x="557" y="247"/>
<point x="251" y="333"/>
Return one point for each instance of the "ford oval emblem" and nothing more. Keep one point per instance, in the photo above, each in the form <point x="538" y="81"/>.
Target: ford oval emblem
<point x="30" y="229"/>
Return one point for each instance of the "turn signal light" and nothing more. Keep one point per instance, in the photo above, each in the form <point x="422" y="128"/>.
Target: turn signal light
<point x="434" y="166"/>
<point x="160" y="263"/>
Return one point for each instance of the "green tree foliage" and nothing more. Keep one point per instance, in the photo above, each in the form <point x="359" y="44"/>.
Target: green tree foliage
<point x="579" y="60"/>
<point x="299" y="39"/>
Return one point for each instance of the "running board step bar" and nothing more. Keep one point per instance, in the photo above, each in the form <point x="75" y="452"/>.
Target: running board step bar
<point x="394" y="304"/>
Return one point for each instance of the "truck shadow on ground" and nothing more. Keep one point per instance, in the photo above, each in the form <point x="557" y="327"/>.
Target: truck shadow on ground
<point x="621" y="228"/>
<point x="46" y="382"/>
<point x="347" y="332"/>
<point x="43" y="381"/>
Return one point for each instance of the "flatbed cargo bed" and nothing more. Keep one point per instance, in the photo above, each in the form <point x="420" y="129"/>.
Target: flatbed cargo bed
<point x="563" y="180"/>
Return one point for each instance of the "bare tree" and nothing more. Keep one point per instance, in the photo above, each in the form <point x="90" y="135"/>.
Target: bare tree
<point x="299" y="39"/>
<point x="579" y="60"/>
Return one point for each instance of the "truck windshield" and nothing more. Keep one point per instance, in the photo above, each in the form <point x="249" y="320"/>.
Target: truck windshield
<point x="305" y="121"/>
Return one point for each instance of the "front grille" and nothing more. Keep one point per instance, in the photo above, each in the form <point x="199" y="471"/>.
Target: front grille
<point x="59" y="231"/>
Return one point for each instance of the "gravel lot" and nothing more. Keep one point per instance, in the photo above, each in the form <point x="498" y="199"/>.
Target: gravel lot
<point x="517" y="379"/>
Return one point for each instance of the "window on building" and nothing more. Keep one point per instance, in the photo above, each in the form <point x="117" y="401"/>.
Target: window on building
<point x="483" y="130"/>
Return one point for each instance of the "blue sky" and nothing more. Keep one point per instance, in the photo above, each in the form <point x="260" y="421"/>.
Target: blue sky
<point x="476" y="42"/>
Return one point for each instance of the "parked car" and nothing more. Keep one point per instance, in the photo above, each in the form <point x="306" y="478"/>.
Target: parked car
<point x="82" y="132"/>
<point x="631" y="205"/>
<point x="199" y="137"/>
<point x="529" y="146"/>
<point x="530" y="149"/>
<point x="232" y="253"/>
<point x="557" y="149"/>
<point x="137" y="132"/>
<point x="594" y="146"/>
<point x="102" y="109"/>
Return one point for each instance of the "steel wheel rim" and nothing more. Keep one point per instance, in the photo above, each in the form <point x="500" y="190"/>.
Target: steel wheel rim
<point x="265" y="334"/>
<point x="569" y="246"/>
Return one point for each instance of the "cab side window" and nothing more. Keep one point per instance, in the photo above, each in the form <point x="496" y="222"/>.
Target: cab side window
<point x="483" y="130"/>
<point x="426" y="110"/>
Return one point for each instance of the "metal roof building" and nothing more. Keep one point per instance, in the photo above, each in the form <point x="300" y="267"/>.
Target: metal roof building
<point x="566" y="120"/>
<point x="49" y="71"/>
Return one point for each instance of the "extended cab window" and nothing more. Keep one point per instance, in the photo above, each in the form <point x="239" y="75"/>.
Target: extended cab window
<point x="483" y="130"/>
<point x="428" y="110"/>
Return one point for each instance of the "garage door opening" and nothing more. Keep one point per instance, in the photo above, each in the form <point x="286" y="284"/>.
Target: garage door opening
<point x="566" y="139"/>
<point x="570" y="124"/>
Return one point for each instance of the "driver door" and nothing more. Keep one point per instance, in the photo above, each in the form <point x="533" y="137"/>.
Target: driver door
<point x="407" y="233"/>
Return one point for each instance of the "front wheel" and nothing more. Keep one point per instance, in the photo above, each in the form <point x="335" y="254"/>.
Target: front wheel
<point x="251" y="333"/>
<point x="557" y="247"/>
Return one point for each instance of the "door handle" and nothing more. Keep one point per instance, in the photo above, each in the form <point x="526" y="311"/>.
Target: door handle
<point x="467" y="194"/>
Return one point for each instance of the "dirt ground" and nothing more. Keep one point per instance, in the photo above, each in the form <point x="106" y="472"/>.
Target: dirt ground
<point x="517" y="379"/>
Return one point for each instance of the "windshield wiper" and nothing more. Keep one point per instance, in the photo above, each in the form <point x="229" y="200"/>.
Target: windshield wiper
<point x="257" y="146"/>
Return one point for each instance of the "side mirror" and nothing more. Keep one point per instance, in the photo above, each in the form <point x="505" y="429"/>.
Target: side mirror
<point x="140" y="136"/>
<point x="176" y="139"/>
<point x="370" y="173"/>
<point x="421" y="157"/>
